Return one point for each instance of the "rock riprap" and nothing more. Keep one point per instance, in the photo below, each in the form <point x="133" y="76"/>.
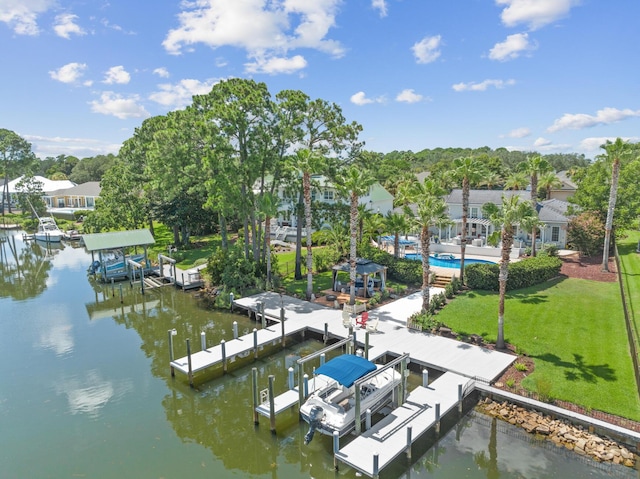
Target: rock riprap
<point x="561" y="433"/>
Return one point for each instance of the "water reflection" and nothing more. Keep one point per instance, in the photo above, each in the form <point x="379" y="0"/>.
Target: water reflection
<point x="24" y="266"/>
<point x="92" y="392"/>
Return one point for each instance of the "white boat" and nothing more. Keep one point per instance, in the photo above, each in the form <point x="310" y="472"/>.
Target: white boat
<point x="48" y="230"/>
<point x="332" y="407"/>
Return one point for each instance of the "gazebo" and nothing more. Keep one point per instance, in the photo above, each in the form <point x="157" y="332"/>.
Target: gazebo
<point x="368" y="276"/>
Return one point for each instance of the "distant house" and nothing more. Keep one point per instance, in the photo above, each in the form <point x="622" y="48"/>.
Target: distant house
<point x="566" y="190"/>
<point x="81" y="197"/>
<point x="377" y="199"/>
<point x="46" y="184"/>
<point x="553" y="213"/>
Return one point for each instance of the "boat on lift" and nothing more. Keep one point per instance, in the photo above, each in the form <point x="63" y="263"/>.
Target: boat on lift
<point x="48" y="230"/>
<point x="332" y="407"/>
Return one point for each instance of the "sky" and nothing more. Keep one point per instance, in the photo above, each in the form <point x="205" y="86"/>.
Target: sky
<point x="552" y="76"/>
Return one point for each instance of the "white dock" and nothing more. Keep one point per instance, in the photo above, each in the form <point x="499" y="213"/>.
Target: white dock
<point x="389" y="438"/>
<point x="393" y="337"/>
<point x="290" y="398"/>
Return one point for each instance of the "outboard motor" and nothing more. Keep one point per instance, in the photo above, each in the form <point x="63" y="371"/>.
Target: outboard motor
<point x="315" y="417"/>
<point x="94" y="267"/>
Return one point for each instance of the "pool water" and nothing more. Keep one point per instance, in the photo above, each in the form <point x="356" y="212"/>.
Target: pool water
<point x="445" y="263"/>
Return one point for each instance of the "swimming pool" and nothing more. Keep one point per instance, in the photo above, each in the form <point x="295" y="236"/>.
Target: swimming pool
<point x="446" y="263"/>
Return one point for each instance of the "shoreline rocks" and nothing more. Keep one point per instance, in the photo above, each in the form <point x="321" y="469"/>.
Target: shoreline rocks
<point x="561" y="433"/>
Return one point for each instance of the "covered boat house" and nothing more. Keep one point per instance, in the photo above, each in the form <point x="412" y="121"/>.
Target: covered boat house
<point x="114" y="259"/>
<point x="369" y="277"/>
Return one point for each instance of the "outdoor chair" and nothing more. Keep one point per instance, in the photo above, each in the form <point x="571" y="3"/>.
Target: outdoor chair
<point x="362" y="319"/>
<point x="372" y="326"/>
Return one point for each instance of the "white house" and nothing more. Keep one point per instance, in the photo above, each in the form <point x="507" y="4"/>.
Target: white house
<point x="48" y="186"/>
<point x="377" y="199"/>
<point x="553" y="213"/>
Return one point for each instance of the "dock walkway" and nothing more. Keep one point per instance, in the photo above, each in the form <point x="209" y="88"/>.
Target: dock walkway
<point x="389" y="438"/>
<point x="184" y="278"/>
<point x="393" y="337"/>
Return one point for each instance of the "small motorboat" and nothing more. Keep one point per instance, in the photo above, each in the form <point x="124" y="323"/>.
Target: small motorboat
<point x="332" y="407"/>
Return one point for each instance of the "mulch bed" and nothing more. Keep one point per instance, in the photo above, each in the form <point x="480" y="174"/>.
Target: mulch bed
<point x="573" y="266"/>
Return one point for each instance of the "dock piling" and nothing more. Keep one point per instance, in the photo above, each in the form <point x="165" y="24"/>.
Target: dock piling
<point x="172" y="333"/>
<point x="189" y="362"/>
<point x="272" y="405"/>
<point x="113" y="288"/>
<point x="325" y="336"/>
<point x="203" y="340"/>
<point x="305" y="388"/>
<point x="262" y="316"/>
<point x="231" y="301"/>
<point x="460" y="398"/>
<point x="376" y="468"/>
<point x="425" y="378"/>
<point x="437" y="419"/>
<point x="322" y="359"/>
<point x="367" y="422"/>
<point x="336" y="448"/>
<point x="223" y="347"/>
<point x="121" y="299"/>
<point x="409" y="438"/>
<point x="366" y="345"/>
<point x="292" y="383"/>
<point x="284" y="337"/>
<point x="235" y="330"/>
<point x="254" y="385"/>
<point x="255" y="343"/>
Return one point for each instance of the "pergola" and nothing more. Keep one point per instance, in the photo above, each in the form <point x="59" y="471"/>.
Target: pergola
<point x="365" y="268"/>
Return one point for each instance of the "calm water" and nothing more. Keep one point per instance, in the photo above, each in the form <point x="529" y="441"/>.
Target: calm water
<point x="85" y="391"/>
<point x="445" y="263"/>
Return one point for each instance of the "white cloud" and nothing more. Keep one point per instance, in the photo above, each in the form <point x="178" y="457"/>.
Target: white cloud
<point x="579" y="121"/>
<point x="511" y="48"/>
<point x="119" y="106"/>
<point x="482" y="86"/>
<point x="409" y="95"/>
<point x="162" y="72"/>
<point x="275" y="65"/>
<point x="540" y="142"/>
<point x="360" y="99"/>
<point x="69" y="73"/>
<point x="381" y="6"/>
<point x="518" y="133"/>
<point x="21" y="15"/>
<point x="593" y="144"/>
<point x="535" y="13"/>
<point x="427" y="50"/>
<point x="65" y="25"/>
<point x="265" y="29"/>
<point x="44" y="146"/>
<point x="117" y="75"/>
<point x="180" y="95"/>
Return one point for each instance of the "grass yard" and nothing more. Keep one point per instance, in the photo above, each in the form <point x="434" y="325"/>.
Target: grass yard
<point x="574" y="331"/>
<point x="630" y="267"/>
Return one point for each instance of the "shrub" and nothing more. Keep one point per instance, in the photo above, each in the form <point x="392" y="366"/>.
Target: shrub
<point x="448" y="291"/>
<point x="511" y="383"/>
<point x="324" y="259"/>
<point x="520" y="366"/>
<point x="522" y="274"/>
<point x="426" y="320"/>
<point x="585" y="232"/>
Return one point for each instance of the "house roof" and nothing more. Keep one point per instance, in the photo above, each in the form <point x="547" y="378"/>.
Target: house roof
<point x="363" y="266"/>
<point x="485" y="196"/>
<point x="90" y="188"/>
<point x="117" y="239"/>
<point x="567" y="183"/>
<point x="553" y="211"/>
<point x="47" y="184"/>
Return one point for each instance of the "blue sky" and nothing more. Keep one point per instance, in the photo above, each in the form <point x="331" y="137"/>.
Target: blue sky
<point x="546" y="75"/>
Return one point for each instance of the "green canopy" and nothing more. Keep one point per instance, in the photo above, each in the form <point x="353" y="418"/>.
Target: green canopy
<point x="117" y="239"/>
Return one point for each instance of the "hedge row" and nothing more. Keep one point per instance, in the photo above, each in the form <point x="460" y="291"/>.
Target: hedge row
<point x="405" y="271"/>
<point x="522" y="274"/>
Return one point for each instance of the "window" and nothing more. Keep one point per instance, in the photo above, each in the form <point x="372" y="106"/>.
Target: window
<point x="555" y="233"/>
<point x="473" y="212"/>
<point x="313" y="195"/>
<point x="328" y="195"/>
<point x="90" y="202"/>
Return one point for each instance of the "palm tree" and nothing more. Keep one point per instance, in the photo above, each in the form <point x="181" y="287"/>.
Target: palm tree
<point x="511" y="213"/>
<point x="307" y="162"/>
<point x="614" y="151"/>
<point x="491" y="179"/>
<point x="355" y="182"/>
<point x="548" y="181"/>
<point x="397" y="223"/>
<point x="268" y="208"/>
<point x="516" y="180"/>
<point x="466" y="171"/>
<point x="534" y="166"/>
<point x="430" y="209"/>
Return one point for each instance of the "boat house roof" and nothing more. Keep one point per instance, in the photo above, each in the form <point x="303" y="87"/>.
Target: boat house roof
<point x="117" y="239"/>
<point x="346" y="369"/>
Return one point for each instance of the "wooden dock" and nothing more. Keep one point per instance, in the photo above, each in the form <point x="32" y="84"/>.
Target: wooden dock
<point x="374" y="449"/>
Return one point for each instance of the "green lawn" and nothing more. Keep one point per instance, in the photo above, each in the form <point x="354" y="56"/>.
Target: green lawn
<point x="630" y="266"/>
<point x="574" y="331"/>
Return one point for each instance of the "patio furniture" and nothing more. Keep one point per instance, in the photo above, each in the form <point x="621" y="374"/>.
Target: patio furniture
<point x="362" y="319"/>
